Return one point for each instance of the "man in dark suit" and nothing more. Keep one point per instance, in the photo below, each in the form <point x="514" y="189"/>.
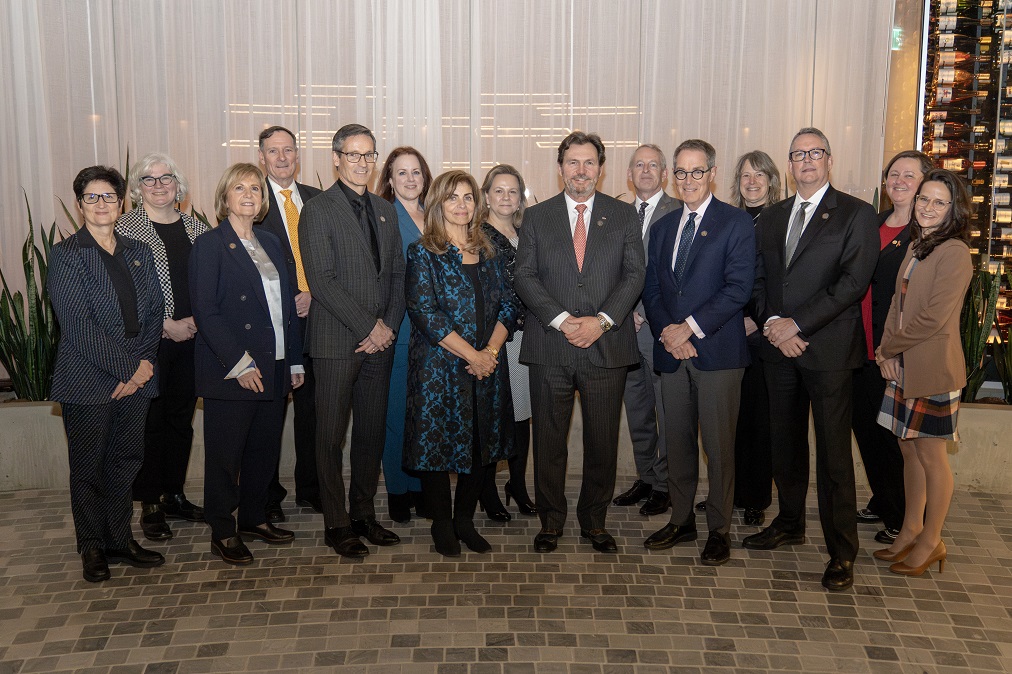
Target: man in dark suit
<point x="699" y="277"/>
<point x="816" y="255"/>
<point x="279" y="156"/>
<point x="351" y="247"/>
<point x="648" y="172"/>
<point x="579" y="271"/>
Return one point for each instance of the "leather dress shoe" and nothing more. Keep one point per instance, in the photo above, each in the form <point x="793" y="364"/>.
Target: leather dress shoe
<point x="374" y="533"/>
<point x="671" y="535"/>
<point x="547" y="540"/>
<point x="717" y="550"/>
<point x="95" y="566"/>
<point x="134" y="555"/>
<point x="600" y="539"/>
<point x="269" y="534"/>
<point x="639" y="491"/>
<point x="887" y="536"/>
<point x="177" y="507"/>
<point x="274" y="513"/>
<point x="701" y="506"/>
<point x="771" y="538"/>
<point x="153" y="522"/>
<point x="345" y="542"/>
<point x="866" y="516"/>
<point x="657" y="503"/>
<point x="839" y="575"/>
<point x="232" y="551"/>
<point x="313" y="503"/>
<point x="754" y="517"/>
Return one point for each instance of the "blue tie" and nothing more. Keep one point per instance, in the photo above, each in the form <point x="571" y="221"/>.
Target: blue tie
<point x="682" y="256"/>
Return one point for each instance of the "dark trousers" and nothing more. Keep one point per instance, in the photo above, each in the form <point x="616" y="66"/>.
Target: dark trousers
<point x="436" y="488"/>
<point x="880" y="452"/>
<point x="105" y="448"/>
<point x="168" y="432"/>
<point x="645" y="415"/>
<point x="307" y="484"/>
<point x="753" y="463"/>
<point x="792" y="390"/>
<point x="553" y="389"/>
<point x="242" y="442"/>
<point x="358" y="386"/>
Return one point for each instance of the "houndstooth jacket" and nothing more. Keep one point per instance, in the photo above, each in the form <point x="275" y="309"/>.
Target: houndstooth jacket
<point x="137" y="225"/>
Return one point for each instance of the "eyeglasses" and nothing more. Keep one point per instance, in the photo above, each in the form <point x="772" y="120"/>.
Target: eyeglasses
<point x="354" y="157"/>
<point x="815" y="154"/>
<point x="696" y="175"/>
<point x="166" y="179"/>
<point x="92" y="198"/>
<point x="933" y="204"/>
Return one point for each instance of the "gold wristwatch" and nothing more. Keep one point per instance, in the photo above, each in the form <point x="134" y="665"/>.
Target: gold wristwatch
<point x="606" y="325"/>
<point x="494" y="351"/>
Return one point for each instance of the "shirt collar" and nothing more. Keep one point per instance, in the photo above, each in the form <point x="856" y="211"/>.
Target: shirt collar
<point x="701" y="210"/>
<point x="651" y="202"/>
<point x="815" y="200"/>
<point x="352" y="194"/>
<point x="571" y="203"/>
<point x="86" y="240"/>
<point x="276" y="188"/>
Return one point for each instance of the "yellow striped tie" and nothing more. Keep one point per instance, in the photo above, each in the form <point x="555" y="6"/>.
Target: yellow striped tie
<point x="292" y="220"/>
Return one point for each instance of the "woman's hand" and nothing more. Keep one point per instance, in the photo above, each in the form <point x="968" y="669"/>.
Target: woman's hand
<point x="252" y="381"/>
<point x="124" y="389"/>
<point x="890" y="369"/>
<point x="143" y="374"/>
<point x="482" y="364"/>
<point x="179" y="331"/>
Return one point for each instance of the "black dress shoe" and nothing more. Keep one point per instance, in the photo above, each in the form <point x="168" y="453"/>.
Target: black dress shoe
<point x="547" y="540"/>
<point x="866" y="516"/>
<point x="95" y="566"/>
<point x="232" y="551"/>
<point x="374" y="533"/>
<point x="177" y="507"/>
<point x="345" y="542"/>
<point x="313" y="503"/>
<point x="771" y="538"/>
<point x="274" y="513"/>
<point x="153" y="522"/>
<point x="639" y="491"/>
<point x="658" y="503"/>
<point x="671" y="535"/>
<point x="839" y="575"/>
<point x="269" y="534"/>
<point x="717" y="549"/>
<point x="754" y="517"/>
<point x="400" y="507"/>
<point x="134" y="555"/>
<point x="600" y="539"/>
<point x="887" y="535"/>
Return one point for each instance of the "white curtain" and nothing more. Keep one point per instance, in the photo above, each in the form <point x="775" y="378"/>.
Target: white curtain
<point x="469" y="83"/>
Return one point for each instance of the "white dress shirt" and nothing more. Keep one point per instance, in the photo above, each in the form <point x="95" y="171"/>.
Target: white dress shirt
<point x="279" y="199"/>
<point x="651" y="207"/>
<point x="573" y="215"/>
<point x="700" y="212"/>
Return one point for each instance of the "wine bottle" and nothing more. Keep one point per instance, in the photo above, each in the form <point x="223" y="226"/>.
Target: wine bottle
<point x="944" y="129"/>
<point x="1002" y="198"/>
<point x="965" y="8"/>
<point x="943" y="114"/>
<point x="940" y="148"/>
<point x="962" y="25"/>
<point x="951" y="76"/>
<point x="952" y="57"/>
<point x="946" y="95"/>
<point x="961" y="164"/>
<point x="1003" y="163"/>
<point x="1000" y="181"/>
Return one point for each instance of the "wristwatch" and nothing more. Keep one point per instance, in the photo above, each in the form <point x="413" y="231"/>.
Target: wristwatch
<point x="494" y="351"/>
<point x="606" y="325"/>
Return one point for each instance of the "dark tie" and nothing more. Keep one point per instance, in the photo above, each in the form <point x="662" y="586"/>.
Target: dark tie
<point x="365" y="222"/>
<point x="683" y="246"/>
<point x="643" y="214"/>
<point x="794" y="235"/>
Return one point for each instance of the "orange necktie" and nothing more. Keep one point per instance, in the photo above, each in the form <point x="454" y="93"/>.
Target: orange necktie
<point x="292" y="221"/>
<point x="580" y="236"/>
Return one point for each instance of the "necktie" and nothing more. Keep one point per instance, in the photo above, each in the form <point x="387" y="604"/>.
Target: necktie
<point x="643" y="214"/>
<point x="580" y="236"/>
<point x="292" y="223"/>
<point x="794" y="235"/>
<point x="365" y="222"/>
<point x="682" y="256"/>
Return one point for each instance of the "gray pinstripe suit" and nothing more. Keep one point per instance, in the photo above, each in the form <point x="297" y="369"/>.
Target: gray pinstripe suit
<point x="549" y="282"/>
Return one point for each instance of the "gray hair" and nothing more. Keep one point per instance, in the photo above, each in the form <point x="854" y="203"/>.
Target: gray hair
<point x="346" y="132"/>
<point x="812" y="131"/>
<point x="699" y="145"/>
<point x="141" y="168"/>
<point x="650" y="146"/>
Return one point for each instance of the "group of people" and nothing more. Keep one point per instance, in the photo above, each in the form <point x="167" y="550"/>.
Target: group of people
<point x="453" y="324"/>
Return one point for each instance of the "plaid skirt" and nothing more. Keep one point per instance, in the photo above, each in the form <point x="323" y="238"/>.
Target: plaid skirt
<point x="930" y="417"/>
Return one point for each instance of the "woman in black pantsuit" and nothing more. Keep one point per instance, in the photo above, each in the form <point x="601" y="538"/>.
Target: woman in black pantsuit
<point x="248" y="357"/>
<point x="106" y="297"/>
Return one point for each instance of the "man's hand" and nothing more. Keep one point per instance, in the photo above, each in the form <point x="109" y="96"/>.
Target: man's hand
<point x="582" y="332"/>
<point x="779" y="330"/>
<point x="302" y="301"/>
<point x="674" y="335"/>
<point x="683" y="351"/>
<point x="251" y="380"/>
<point x="750" y="326"/>
<point x="179" y="331"/>
<point x="638" y="320"/>
<point x="793" y="347"/>
<point x="298" y="380"/>
<point x="379" y="339"/>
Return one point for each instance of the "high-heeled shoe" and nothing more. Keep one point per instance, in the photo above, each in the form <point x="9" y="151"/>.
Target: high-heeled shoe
<point x="886" y="555"/>
<point x="524" y="505"/>
<point x="497" y="515"/>
<point x="937" y="555"/>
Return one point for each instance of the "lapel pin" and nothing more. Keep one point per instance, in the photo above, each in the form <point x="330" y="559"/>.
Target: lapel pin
<point x="825" y="216"/>
<point x="703" y="233"/>
<point x="383" y="218"/>
<point x="137" y="263"/>
<point x="232" y="246"/>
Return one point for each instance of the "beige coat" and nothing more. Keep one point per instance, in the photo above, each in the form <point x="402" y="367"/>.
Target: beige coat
<point x="929" y="339"/>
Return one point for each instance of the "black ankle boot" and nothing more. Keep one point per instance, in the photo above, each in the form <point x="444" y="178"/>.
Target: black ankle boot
<point x="470" y="537"/>
<point x="400" y="507"/>
<point x="444" y="538"/>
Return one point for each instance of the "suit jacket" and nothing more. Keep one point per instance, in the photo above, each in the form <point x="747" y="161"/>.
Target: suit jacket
<point x="883" y="281"/>
<point x="929" y="337"/>
<point x="548" y="281"/>
<point x="274" y="222"/>
<point x="714" y="288"/>
<point x="233" y="318"/>
<point x="822" y="288"/>
<point x="93" y="356"/>
<point x="664" y="206"/>
<point x="349" y="293"/>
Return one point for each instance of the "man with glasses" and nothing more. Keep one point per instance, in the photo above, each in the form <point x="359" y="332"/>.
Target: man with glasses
<point x="279" y="156"/>
<point x="699" y="277"/>
<point x="351" y="248"/>
<point x="816" y="255"/>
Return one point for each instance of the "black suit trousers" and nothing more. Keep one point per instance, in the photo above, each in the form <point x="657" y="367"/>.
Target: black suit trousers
<point x="753" y="464"/>
<point x="359" y="386"/>
<point x="307" y="483"/>
<point x="880" y="451"/>
<point x="792" y="389"/>
<point x="553" y="389"/>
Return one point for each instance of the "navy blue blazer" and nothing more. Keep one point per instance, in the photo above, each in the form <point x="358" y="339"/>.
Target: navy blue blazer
<point x="232" y="315"/>
<point x="714" y="288"/>
<point x="93" y="356"/>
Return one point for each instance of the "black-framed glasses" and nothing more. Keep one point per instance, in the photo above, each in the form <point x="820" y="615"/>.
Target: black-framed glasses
<point x="354" y="157"/>
<point x="815" y="154"/>
<point x="696" y="175"/>
<point x="107" y="197"/>
<point x="166" y="179"/>
<point x="933" y="204"/>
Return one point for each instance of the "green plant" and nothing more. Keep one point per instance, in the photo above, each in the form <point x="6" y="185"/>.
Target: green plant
<point x="29" y="332"/>
<point x="975" y="323"/>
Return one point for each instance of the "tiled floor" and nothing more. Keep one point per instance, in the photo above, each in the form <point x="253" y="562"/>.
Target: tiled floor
<point x="405" y="609"/>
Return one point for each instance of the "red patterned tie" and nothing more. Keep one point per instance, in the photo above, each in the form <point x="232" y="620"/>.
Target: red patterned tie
<point x="580" y="236"/>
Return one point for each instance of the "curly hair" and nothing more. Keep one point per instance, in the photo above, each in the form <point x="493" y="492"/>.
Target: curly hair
<point x="955" y="224"/>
